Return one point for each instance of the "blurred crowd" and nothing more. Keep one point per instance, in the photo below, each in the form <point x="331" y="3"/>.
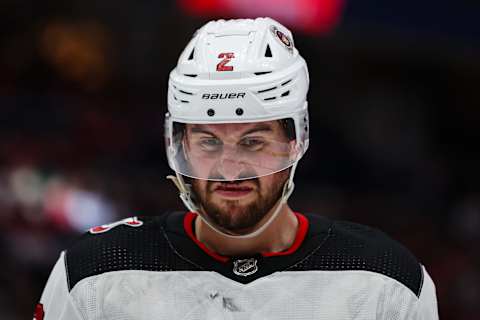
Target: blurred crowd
<point x="394" y="138"/>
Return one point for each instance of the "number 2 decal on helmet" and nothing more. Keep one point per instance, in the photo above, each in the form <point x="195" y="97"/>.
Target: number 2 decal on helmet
<point x="227" y="56"/>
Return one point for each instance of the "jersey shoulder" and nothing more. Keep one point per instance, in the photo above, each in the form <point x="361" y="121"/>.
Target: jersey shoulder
<point x="136" y="243"/>
<point x="352" y="246"/>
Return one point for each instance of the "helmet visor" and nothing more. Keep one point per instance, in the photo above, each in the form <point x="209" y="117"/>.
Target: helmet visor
<point x="232" y="151"/>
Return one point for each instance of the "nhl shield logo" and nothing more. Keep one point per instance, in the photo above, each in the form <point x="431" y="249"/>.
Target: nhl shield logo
<point x="245" y="267"/>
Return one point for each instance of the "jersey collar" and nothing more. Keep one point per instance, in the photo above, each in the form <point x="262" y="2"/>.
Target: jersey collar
<point x="302" y="230"/>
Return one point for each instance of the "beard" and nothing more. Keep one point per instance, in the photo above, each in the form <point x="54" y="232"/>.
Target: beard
<point x="239" y="216"/>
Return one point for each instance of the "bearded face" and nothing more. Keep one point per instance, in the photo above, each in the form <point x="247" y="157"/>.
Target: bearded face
<point x="244" y="167"/>
<point x="237" y="207"/>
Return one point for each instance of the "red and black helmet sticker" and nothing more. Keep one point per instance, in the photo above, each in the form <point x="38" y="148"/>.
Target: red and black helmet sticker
<point x="282" y="37"/>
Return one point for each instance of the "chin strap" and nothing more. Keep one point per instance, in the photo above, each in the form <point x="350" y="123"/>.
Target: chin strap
<point x="185" y="191"/>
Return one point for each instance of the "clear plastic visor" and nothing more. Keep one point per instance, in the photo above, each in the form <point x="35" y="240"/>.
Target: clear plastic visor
<point x="232" y="151"/>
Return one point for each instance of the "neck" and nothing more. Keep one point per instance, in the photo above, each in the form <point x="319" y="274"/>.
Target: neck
<point x="278" y="236"/>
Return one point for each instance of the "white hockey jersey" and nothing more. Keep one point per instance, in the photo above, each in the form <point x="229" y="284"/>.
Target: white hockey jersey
<point x="153" y="268"/>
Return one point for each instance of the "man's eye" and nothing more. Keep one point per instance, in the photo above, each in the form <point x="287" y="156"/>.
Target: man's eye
<point x="252" y="144"/>
<point x="210" y="144"/>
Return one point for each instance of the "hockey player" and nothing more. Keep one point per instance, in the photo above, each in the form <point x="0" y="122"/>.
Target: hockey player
<point x="236" y="127"/>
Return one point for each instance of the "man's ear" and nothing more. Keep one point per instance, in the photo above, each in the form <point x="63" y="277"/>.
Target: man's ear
<point x="294" y="150"/>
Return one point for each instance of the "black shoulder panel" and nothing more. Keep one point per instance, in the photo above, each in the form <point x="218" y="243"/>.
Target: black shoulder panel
<point x="351" y="246"/>
<point x="123" y="247"/>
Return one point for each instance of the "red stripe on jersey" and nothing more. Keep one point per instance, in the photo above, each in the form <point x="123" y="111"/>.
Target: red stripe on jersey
<point x="188" y="226"/>
<point x="299" y="237"/>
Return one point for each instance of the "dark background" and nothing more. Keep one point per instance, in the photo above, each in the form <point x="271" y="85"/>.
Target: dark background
<point x="394" y="104"/>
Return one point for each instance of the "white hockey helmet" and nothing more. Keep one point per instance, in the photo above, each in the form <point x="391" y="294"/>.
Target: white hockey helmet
<point x="238" y="71"/>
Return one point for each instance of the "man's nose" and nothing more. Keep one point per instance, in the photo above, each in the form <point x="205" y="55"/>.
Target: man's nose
<point x="230" y="165"/>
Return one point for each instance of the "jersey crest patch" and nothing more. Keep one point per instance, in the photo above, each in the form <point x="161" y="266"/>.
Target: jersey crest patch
<point x="245" y="267"/>
<point x="38" y="313"/>
<point x="131" y="222"/>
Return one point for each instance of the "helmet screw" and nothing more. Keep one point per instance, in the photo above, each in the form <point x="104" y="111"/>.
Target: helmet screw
<point x="211" y="112"/>
<point x="239" y="111"/>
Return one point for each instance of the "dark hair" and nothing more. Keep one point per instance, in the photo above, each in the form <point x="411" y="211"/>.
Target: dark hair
<point x="289" y="126"/>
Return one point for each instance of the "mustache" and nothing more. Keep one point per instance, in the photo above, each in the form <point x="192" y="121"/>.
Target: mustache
<point x="212" y="185"/>
<point x="244" y="175"/>
<point x="216" y="179"/>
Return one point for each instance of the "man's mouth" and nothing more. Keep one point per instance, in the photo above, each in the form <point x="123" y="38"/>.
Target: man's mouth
<point x="232" y="190"/>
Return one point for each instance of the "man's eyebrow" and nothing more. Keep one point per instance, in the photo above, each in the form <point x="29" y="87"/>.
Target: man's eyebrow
<point x="200" y="130"/>
<point x="262" y="127"/>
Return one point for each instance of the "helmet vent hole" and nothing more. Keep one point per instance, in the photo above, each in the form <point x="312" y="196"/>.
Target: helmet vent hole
<point x="190" y="75"/>
<point x="210" y="112"/>
<point x="271" y="98"/>
<point x="286" y="93"/>
<point x="261" y="72"/>
<point x="268" y="52"/>
<point x="286" y="82"/>
<point x="186" y="92"/>
<point x="190" y="57"/>
<point x="265" y="90"/>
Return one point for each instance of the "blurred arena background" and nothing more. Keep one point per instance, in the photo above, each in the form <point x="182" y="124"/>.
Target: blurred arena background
<point x="395" y="112"/>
